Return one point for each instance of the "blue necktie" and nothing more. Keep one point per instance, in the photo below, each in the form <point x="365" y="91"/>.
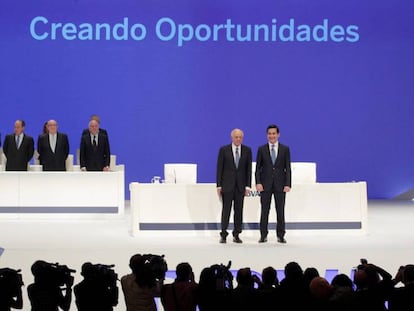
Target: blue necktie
<point x="237" y="157"/>
<point x="273" y="154"/>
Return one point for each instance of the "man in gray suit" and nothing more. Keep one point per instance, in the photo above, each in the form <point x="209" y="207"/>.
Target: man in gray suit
<point x="234" y="177"/>
<point x="273" y="177"/>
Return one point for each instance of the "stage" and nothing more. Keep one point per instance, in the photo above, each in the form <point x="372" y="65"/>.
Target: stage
<point x="387" y="242"/>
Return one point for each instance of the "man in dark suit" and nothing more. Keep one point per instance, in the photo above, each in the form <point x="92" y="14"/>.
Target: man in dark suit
<point x="97" y="119"/>
<point x="53" y="148"/>
<point x="273" y="177"/>
<point x="18" y="148"/>
<point x="95" y="153"/>
<point x="234" y="177"/>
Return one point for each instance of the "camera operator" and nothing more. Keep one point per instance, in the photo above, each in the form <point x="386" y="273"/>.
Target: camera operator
<point x="180" y="295"/>
<point x="245" y="296"/>
<point x="402" y="298"/>
<point x="98" y="290"/>
<point x="10" y="289"/>
<point x="144" y="283"/>
<point x="374" y="287"/>
<point x="46" y="293"/>
<point x="215" y="288"/>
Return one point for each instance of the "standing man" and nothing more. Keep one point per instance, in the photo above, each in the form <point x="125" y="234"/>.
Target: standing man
<point x="273" y="177"/>
<point x="53" y="148"/>
<point x="95" y="153"/>
<point x="234" y="178"/>
<point x="18" y="148"/>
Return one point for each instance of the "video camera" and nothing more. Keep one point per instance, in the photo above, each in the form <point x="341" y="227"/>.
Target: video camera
<point x="99" y="273"/>
<point x="156" y="264"/>
<point x="223" y="276"/>
<point x="52" y="273"/>
<point x="10" y="280"/>
<point x="150" y="270"/>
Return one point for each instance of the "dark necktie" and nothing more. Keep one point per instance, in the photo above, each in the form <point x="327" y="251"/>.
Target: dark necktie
<point x="94" y="141"/>
<point x="17" y="141"/>
<point x="273" y="154"/>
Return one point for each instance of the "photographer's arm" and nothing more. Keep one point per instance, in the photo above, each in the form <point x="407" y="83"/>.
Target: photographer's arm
<point x="384" y="274"/>
<point x="17" y="302"/>
<point x="114" y="294"/>
<point x="64" y="301"/>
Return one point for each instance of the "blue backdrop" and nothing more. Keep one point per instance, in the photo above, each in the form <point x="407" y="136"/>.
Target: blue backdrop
<point x="171" y="79"/>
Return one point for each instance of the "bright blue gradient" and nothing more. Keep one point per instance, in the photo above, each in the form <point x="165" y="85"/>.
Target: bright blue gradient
<point x="346" y="105"/>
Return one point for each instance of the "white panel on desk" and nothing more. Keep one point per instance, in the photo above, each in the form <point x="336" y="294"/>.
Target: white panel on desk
<point x="180" y="173"/>
<point x="69" y="163"/>
<point x="303" y="172"/>
<point x="35" y="168"/>
<point x="112" y="162"/>
<point x="3" y="160"/>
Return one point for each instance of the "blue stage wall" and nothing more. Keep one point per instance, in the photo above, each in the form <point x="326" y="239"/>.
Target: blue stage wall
<point x="170" y="79"/>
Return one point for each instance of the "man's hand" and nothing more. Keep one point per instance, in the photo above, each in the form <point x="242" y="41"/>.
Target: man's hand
<point x="259" y="187"/>
<point x="247" y="191"/>
<point x="219" y="192"/>
<point x="286" y="189"/>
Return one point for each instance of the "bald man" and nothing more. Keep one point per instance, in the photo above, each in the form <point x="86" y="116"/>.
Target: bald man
<point x="234" y="177"/>
<point x="53" y="148"/>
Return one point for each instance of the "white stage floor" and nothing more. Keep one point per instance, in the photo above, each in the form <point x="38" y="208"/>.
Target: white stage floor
<point x="387" y="243"/>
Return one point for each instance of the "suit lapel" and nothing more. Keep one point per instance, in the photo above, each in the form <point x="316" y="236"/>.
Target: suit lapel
<point x="278" y="153"/>
<point x="230" y="151"/>
<point x="23" y="140"/>
<point x="57" y="142"/>
<point x="48" y="143"/>
<point x="268" y="155"/>
<point x="13" y="142"/>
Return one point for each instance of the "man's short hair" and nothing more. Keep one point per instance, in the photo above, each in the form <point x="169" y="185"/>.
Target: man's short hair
<point x="269" y="276"/>
<point x="272" y="126"/>
<point x="183" y="271"/>
<point x="134" y="261"/>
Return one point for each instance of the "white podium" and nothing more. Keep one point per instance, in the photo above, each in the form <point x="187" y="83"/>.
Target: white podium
<point x="196" y="207"/>
<point x="75" y="192"/>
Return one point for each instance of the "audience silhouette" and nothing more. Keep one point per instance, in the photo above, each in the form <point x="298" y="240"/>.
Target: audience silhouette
<point x="372" y="288"/>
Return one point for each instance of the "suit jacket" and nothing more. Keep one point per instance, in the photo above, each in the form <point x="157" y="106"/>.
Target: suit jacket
<point x="53" y="161"/>
<point x="95" y="158"/>
<point x="269" y="175"/>
<point x="17" y="159"/>
<point x="228" y="176"/>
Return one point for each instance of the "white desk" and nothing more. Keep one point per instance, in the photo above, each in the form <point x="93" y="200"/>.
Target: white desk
<point x="197" y="207"/>
<point x="62" y="192"/>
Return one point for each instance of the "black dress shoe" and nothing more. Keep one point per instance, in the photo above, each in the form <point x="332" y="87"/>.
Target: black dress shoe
<point x="223" y="240"/>
<point x="236" y="239"/>
<point x="281" y="240"/>
<point x="263" y="240"/>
